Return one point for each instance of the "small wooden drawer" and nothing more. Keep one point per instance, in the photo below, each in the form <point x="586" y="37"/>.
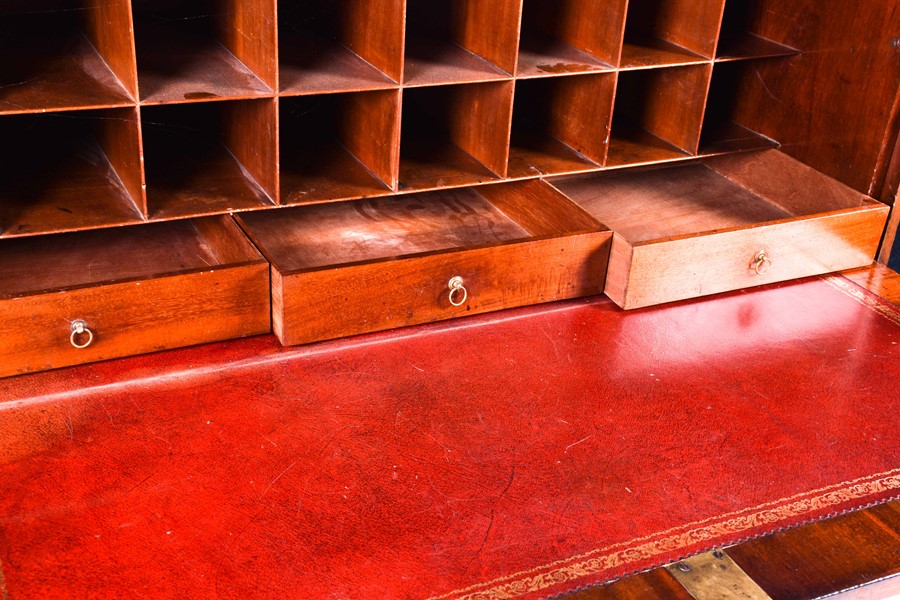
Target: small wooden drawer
<point x="81" y="297"/>
<point x="354" y="267"/>
<point x="723" y="224"/>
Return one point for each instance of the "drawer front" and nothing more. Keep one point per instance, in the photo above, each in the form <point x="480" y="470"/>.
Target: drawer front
<point x="653" y="273"/>
<point x="346" y="301"/>
<point x="133" y="318"/>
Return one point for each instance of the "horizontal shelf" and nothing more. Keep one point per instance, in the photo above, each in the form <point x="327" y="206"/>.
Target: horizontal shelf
<point x="431" y="62"/>
<point x="533" y="154"/>
<point x="315" y="68"/>
<point x="645" y="53"/>
<point x="178" y="69"/>
<point x="541" y="56"/>
<point x="746" y="46"/>
<point x="48" y="65"/>
<point x="632" y="146"/>
<point x="727" y="138"/>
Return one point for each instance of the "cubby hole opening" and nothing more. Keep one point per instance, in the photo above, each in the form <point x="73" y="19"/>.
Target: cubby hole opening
<point x="57" y="55"/>
<point x="724" y="126"/>
<point x="670" y="32"/>
<point x="339" y="146"/>
<point x="455" y="135"/>
<point x="570" y="36"/>
<point x="458" y="41"/>
<point x="204" y="50"/>
<point x="339" y="45"/>
<point x="658" y="114"/>
<point x="209" y="157"/>
<point x="561" y="124"/>
<point x="743" y="33"/>
<point x="70" y="171"/>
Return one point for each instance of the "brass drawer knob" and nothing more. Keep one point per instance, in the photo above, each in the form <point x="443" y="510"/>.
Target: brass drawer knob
<point x="458" y="292"/>
<point x="81" y="337"/>
<point x="761" y="263"/>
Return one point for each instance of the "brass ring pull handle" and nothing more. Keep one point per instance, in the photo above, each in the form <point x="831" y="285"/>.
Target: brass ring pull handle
<point x="458" y="292"/>
<point x="761" y="263"/>
<point x="80" y="329"/>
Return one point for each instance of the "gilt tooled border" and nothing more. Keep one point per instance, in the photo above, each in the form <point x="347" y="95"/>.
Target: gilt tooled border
<point x="859" y="294"/>
<point x="617" y="555"/>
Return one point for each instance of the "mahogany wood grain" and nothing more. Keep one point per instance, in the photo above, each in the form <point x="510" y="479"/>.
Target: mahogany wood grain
<point x="657" y="584"/>
<point x="721" y="126"/>
<point x="60" y="179"/>
<point x="47" y="63"/>
<point x="827" y="557"/>
<point x="350" y="45"/>
<point x="120" y="138"/>
<point x="250" y="133"/>
<point x="249" y="31"/>
<point x="539" y="208"/>
<point x="189" y="170"/>
<point x="327" y="235"/>
<point x="689" y="24"/>
<point x="668" y="103"/>
<point x="739" y="36"/>
<point x="109" y="27"/>
<point x="536" y="153"/>
<point x="122" y="290"/>
<point x="575" y="110"/>
<point x="181" y="56"/>
<point x="490" y="30"/>
<point x="650" y="52"/>
<point x="878" y="279"/>
<point x="370" y="130"/>
<point x="480" y="118"/>
<point x="455" y="135"/>
<point x="689" y="231"/>
<point x="889" y="193"/>
<point x="833" y="106"/>
<point x="514" y="244"/>
<point x="326" y="304"/>
<point x="631" y="146"/>
<point x="570" y="35"/>
<point x="788" y="183"/>
<point x="456" y="41"/>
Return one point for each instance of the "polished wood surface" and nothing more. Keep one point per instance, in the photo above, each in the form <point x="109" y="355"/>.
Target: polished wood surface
<point x="65" y="59"/>
<point x="326" y="235"/>
<point x="159" y="287"/>
<point x="850" y="556"/>
<point x="189" y="53"/>
<point x="878" y="279"/>
<point x="827" y="557"/>
<point x="350" y="45"/>
<point x="677" y="237"/>
<point x="823" y="106"/>
<point x="512" y="244"/>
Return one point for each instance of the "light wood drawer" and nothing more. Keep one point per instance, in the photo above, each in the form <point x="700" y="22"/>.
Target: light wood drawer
<point x="136" y="289"/>
<point x="725" y="224"/>
<point x="355" y="267"/>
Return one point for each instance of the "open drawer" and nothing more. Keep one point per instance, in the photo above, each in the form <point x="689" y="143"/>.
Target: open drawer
<point x="723" y="224"/>
<point x="81" y="297"/>
<point x="354" y="267"/>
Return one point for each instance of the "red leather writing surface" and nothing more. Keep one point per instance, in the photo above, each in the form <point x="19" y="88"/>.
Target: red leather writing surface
<point x="528" y="452"/>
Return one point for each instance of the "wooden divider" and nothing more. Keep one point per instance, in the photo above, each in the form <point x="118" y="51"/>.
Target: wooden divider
<point x="331" y="100"/>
